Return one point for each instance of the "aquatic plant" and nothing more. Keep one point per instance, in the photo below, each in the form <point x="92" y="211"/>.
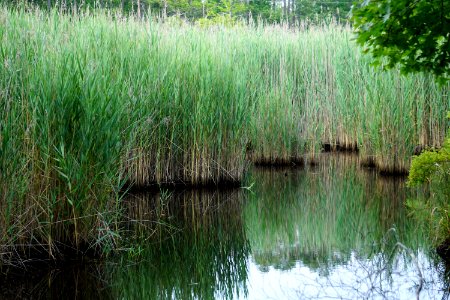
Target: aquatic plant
<point x="64" y="131"/>
<point x="86" y="109"/>
<point x="318" y="88"/>
<point x="91" y="102"/>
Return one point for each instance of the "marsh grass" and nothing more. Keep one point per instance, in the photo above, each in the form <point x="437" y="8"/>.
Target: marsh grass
<point x="93" y="101"/>
<point x="63" y="133"/>
<point x="314" y="87"/>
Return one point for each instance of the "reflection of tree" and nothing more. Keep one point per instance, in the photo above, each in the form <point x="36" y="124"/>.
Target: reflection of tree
<point x="321" y="216"/>
<point x="204" y="257"/>
<point x="393" y="273"/>
<point x="286" y="259"/>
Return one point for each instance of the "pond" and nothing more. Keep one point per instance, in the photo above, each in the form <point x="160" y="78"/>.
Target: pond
<point x="330" y="231"/>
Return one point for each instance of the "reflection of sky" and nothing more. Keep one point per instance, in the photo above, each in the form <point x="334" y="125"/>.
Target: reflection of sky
<point x="357" y="279"/>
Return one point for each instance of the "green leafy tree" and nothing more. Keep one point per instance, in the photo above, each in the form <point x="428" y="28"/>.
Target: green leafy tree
<point x="320" y="10"/>
<point x="412" y="33"/>
<point x="269" y="11"/>
<point x="260" y="8"/>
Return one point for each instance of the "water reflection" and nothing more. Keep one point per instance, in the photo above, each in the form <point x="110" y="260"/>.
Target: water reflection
<point x="198" y="252"/>
<point x="320" y="215"/>
<point x="336" y="231"/>
<point x="69" y="281"/>
<point x="329" y="231"/>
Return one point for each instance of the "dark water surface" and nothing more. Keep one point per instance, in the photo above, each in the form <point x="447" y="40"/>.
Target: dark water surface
<point x="333" y="231"/>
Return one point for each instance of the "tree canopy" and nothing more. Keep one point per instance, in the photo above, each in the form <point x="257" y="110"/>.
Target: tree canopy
<point x="270" y="11"/>
<point x="412" y="33"/>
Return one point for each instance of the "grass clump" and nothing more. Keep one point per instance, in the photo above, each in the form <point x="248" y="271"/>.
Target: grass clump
<point x="193" y="103"/>
<point x="63" y="133"/>
<point x="93" y="101"/>
<point x="312" y="86"/>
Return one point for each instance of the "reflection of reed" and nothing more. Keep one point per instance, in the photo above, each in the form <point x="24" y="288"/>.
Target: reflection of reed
<point x="325" y="212"/>
<point x="194" y="245"/>
<point x="80" y="281"/>
<point x="189" y="210"/>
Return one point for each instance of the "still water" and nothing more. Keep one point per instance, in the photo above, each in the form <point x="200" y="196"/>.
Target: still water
<point x="332" y="231"/>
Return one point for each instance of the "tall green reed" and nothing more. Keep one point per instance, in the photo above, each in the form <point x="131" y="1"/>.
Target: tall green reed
<point x="64" y="132"/>
<point x="93" y="100"/>
<point x="320" y="89"/>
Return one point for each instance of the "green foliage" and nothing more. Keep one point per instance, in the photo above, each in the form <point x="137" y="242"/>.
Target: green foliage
<point x="433" y="167"/>
<point x="267" y="11"/>
<point x="414" y="34"/>
<point x="322" y="10"/>
<point x="427" y="165"/>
